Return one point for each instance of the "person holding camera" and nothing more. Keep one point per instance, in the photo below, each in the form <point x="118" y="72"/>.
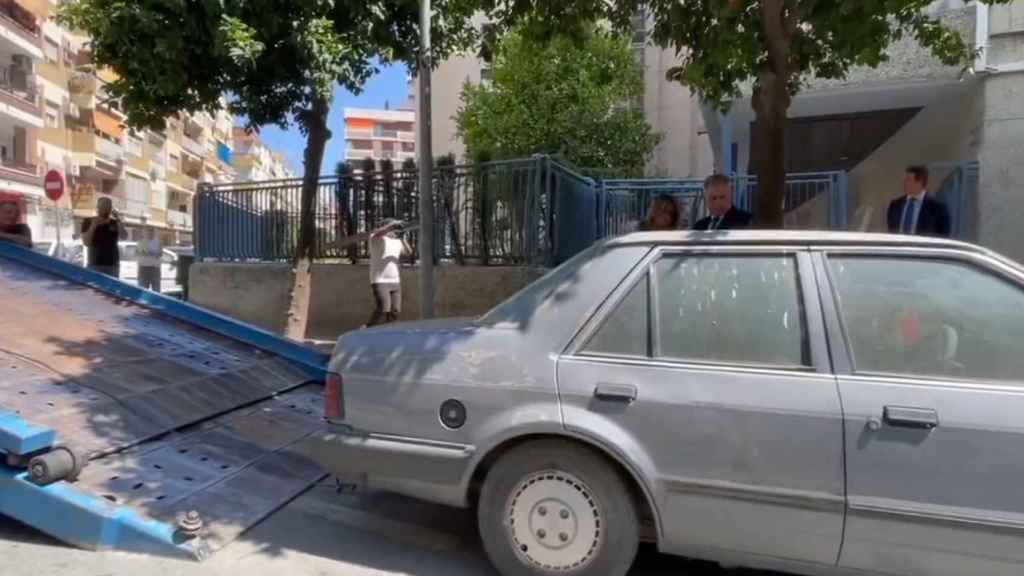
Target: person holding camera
<point x="100" y="235"/>
<point x="387" y="246"/>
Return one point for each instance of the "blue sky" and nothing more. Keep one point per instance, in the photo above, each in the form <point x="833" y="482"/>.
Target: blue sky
<point x="387" y="86"/>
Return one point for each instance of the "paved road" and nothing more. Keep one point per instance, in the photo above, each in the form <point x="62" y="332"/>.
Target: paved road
<point x="318" y="534"/>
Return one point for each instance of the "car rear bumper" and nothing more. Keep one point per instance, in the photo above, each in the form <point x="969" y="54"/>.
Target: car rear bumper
<point x="433" y="471"/>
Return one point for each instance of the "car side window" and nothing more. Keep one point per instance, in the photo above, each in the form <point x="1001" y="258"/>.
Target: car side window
<point x="626" y="331"/>
<point x="930" y="317"/>
<point x="743" y="309"/>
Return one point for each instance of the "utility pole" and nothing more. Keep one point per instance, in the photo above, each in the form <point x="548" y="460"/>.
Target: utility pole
<point x="426" y="237"/>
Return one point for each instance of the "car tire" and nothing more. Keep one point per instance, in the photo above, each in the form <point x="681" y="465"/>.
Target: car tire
<point x="555" y="507"/>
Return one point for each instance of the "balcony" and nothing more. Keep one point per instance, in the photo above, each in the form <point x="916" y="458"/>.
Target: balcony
<point x="110" y="151"/>
<point x="354" y="154"/>
<point x="21" y="173"/>
<point x="19" y="97"/>
<point x="139" y="164"/>
<point x="136" y="209"/>
<point x="182" y="181"/>
<point x="358" y="134"/>
<point x="157" y="216"/>
<point x="179" y="219"/>
<point x="19" y="29"/>
<point x="54" y="73"/>
<point x="193" y="147"/>
<point x="399" y="135"/>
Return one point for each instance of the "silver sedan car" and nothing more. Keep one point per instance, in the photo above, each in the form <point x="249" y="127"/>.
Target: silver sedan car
<point x="817" y="403"/>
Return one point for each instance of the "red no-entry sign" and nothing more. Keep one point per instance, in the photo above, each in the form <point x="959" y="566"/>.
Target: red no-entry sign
<point x="53" y="183"/>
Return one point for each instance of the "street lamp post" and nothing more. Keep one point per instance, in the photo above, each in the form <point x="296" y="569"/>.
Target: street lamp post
<point x="426" y="235"/>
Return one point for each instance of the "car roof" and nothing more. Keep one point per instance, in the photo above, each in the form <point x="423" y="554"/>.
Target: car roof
<point x="789" y="237"/>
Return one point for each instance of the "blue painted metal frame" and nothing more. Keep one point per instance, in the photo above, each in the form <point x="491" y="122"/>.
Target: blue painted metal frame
<point x="314" y="362"/>
<point x="19" y="437"/>
<point x="87" y="521"/>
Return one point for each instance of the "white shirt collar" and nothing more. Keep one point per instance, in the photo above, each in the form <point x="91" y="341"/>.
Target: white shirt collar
<point x="920" y="196"/>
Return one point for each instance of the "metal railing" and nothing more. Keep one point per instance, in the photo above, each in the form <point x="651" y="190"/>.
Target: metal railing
<point x="536" y="211"/>
<point x="625" y="202"/>
<point x="802" y="188"/>
<point x="958" y="190"/>
<point x="494" y="213"/>
<point x="179" y="219"/>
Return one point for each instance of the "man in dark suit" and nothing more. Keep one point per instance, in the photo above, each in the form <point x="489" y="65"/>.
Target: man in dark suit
<point x="916" y="212"/>
<point x="722" y="215"/>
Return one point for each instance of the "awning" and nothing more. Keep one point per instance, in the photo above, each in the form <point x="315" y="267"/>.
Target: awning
<point x="107" y="124"/>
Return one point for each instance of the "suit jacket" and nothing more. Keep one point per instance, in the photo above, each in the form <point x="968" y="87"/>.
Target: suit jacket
<point x="734" y="219"/>
<point x="933" y="220"/>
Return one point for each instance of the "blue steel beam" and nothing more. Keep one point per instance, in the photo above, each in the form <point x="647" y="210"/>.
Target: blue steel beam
<point x="314" y="362"/>
<point x="87" y="521"/>
<point x="19" y="437"/>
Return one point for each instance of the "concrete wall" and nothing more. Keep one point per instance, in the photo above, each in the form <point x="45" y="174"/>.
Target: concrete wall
<point x="674" y="111"/>
<point x="341" y="298"/>
<point x="1001" y="154"/>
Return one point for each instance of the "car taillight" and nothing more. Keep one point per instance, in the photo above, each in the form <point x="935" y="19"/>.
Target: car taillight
<point x="334" y="398"/>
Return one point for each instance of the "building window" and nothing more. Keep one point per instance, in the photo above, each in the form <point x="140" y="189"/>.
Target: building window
<point x="52" y="49"/>
<point x="52" y="115"/>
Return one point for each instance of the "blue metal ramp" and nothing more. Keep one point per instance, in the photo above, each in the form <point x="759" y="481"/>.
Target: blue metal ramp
<point x="177" y="409"/>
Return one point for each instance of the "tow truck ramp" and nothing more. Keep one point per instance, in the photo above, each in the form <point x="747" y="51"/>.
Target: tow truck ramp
<point x="192" y="424"/>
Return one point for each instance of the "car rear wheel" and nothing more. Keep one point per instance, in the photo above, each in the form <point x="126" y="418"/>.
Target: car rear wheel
<point x="554" y="507"/>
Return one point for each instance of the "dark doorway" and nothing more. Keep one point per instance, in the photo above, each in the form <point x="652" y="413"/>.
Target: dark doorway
<point x="834" y="142"/>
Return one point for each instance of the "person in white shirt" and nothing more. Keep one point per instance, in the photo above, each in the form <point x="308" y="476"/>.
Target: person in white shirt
<point x="149" y="253"/>
<point x="386" y="249"/>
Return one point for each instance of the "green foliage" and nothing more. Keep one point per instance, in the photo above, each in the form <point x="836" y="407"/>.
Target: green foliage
<point x="562" y="96"/>
<point x="272" y="58"/>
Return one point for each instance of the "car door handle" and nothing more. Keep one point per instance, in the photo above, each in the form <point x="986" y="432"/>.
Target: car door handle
<point x="906" y="417"/>
<point x="615" y="392"/>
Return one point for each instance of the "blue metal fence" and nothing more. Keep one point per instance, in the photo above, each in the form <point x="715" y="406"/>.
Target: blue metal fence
<point x="624" y="203"/>
<point x="536" y="211"/>
<point x="958" y="190"/>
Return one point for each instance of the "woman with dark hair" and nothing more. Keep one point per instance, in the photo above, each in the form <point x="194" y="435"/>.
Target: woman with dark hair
<point x="664" y="215"/>
<point x="10" y="229"/>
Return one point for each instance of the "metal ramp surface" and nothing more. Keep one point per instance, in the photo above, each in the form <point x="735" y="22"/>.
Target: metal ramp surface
<point x="177" y="408"/>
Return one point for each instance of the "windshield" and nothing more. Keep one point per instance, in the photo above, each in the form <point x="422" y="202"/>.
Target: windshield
<point x="541" y="289"/>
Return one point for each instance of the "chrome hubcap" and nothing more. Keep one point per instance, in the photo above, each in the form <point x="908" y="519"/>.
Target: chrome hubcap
<point x="553" y="521"/>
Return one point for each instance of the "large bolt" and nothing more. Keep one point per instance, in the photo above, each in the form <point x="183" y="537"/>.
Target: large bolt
<point x="563" y="536"/>
<point x="542" y="534"/>
<point x="542" y="511"/>
<point x="564" y="514"/>
<point x="190" y="524"/>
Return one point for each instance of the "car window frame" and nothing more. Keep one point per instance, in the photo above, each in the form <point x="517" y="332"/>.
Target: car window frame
<point x="818" y="357"/>
<point x="840" y="344"/>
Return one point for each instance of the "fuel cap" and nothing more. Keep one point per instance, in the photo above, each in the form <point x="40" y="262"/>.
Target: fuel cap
<point x="453" y="414"/>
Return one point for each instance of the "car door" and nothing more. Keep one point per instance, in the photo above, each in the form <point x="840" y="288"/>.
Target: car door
<point x="929" y="351"/>
<point x="711" y="366"/>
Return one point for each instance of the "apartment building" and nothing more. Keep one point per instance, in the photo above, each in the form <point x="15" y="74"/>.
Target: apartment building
<point x="255" y="161"/>
<point x="24" y="89"/>
<point x="56" y="114"/>
<point x="380" y="134"/>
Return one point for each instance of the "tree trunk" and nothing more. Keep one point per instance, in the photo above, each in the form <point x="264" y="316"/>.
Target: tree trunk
<point x="771" y="101"/>
<point x="770" y="113"/>
<point x="317" y="135"/>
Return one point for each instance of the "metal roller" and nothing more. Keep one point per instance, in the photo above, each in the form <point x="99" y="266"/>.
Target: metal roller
<point x="61" y="463"/>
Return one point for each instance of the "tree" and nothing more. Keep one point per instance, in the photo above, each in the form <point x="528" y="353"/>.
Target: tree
<point x="562" y="97"/>
<point x="780" y="45"/>
<point x="274" y="60"/>
<point x="774" y="45"/>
